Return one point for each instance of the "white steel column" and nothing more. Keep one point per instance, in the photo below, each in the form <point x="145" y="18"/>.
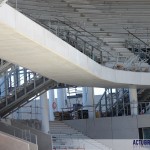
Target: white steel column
<point x="88" y="100"/>
<point x="51" y="100"/>
<point x="84" y="96"/>
<point x="45" y="112"/>
<point x="60" y="99"/>
<point x="64" y="97"/>
<point x="133" y="101"/>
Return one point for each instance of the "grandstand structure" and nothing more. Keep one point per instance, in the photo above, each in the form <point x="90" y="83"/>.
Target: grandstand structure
<point x="53" y="53"/>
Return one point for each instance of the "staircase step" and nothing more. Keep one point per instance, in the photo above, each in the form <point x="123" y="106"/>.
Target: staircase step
<point x="71" y="138"/>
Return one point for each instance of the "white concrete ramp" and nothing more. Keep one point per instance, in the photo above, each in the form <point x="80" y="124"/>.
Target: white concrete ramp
<point x="27" y="44"/>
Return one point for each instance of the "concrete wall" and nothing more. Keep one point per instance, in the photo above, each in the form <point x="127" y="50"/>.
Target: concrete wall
<point x="43" y="140"/>
<point x="14" y="143"/>
<point x="125" y="127"/>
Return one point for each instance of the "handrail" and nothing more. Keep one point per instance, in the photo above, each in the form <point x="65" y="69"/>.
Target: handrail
<point x="54" y="30"/>
<point x="126" y="92"/>
<point x="143" y="55"/>
<point x="19" y="133"/>
<point x="9" y="74"/>
<point x="76" y="29"/>
<point x="136" y="37"/>
<point x="120" y="99"/>
<point x="143" y="52"/>
<point x="142" y="108"/>
<point x="86" y="37"/>
<point x="86" y="31"/>
<point x="109" y="54"/>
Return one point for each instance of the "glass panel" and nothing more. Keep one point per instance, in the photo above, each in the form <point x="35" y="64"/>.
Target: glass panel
<point x="146" y="133"/>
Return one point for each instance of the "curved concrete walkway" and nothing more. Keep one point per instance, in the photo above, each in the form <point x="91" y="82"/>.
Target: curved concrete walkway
<point x="27" y="44"/>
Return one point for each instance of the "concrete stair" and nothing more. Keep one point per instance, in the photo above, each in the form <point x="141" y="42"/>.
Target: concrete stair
<point x="73" y="11"/>
<point x="65" y="137"/>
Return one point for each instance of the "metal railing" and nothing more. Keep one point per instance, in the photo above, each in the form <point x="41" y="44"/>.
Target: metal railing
<point x="18" y="87"/>
<point x="121" y="109"/>
<point x="86" y="42"/>
<point x="16" y="80"/>
<point x="112" y="98"/>
<point x="126" y="109"/>
<point x="139" y="47"/>
<point x="110" y="101"/>
<point x="19" y="133"/>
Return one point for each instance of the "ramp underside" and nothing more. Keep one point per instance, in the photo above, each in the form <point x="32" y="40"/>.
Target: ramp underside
<point x="27" y="44"/>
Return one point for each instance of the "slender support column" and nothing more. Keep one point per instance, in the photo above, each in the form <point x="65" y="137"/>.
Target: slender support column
<point x="84" y="96"/>
<point x="65" y="97"/>
<point x="51" y="100"/>
<point x="112" y="102"/>
<point x="45" y="113"/>
<point x="88" y="101"/>
<point x="106" y="101"/>
<point x="133" y="101"/>
<point x="123" y="100"/>
<point x="117" y="100"/>
<point x="60" y="99"/>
